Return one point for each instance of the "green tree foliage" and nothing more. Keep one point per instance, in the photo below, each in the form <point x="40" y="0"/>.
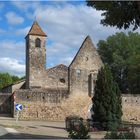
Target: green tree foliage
<point x="122" y="135"/>
<point x="121" y="14"/>
<point x="15" y="78"/>
<point x="7" y="79"/>
<point x="107" y="101"/>
<point x="122" y="53"/>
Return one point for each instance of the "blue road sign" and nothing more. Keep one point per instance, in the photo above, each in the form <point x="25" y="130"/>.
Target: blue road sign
<point x="19" y="107"/>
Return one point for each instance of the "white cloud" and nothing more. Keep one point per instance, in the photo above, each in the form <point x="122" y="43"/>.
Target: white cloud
<point x="25" y="5"/>
<point x="12" y="66"/>
<point x="13" y="18"/>
<point x="23" y="31"/>
<point x="67" y="26"/>
<point x="67" y="60"/>
<point x="9" y="44"/>
<point x="20" y="4"/>
<point x="13" y="49"/>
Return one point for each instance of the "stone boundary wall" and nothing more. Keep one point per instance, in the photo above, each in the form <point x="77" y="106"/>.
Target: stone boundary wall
<point x="131" y="98"/>
<point x="42" y="104"/>
<point x="42" y="95"/>
<point x="50" y="104"/>
<point x="6" y="103"/>
<point x="131" y="107"/>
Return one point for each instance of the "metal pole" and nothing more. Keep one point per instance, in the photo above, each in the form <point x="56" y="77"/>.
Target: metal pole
<point x="17" y="116"/>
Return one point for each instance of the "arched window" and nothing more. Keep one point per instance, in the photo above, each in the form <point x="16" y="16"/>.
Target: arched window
<point x="38" y="42"/>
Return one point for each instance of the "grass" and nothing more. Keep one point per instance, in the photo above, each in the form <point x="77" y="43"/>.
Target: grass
<point x="12" y="126"/>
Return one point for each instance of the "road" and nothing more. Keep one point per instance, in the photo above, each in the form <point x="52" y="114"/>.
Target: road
<point x="9" y="129"/>
<point x="35" y="129"/>
<point x="31" y="129"/>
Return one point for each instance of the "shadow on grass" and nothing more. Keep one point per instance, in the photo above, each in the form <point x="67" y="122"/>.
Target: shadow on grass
<point x="29" y="136"/>
<point x="53" y="127"/>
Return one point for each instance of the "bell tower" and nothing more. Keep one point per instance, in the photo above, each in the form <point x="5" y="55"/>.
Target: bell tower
<point x="35" y="56"/>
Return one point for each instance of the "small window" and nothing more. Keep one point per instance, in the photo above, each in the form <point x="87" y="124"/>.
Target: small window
<point x="27" y="97"/>
<point x="78" y="72"/>
<point x="62" y="80"/>
<point x="86" y="58"/>
<point x="38" y="42"/>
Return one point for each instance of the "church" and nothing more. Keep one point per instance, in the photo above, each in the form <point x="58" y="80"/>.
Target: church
<point x="51" y="86"/>
<point x="60" y="91"/>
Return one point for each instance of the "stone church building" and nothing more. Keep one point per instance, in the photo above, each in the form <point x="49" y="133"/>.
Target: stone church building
<point x="77" y="77"/>
<point x="57" y="83"/>
<point x="60" y="91"/>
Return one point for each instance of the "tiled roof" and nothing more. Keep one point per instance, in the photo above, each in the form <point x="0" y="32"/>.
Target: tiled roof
<point x="36" y="30"/>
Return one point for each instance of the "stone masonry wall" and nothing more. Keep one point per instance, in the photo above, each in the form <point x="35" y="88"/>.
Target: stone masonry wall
<point x="35" y="61"/>
<point x="51" y="105"/>
<point x="86" y="62"/>
<point x="131" y="107"/>
<point x="56" y="77"/>
<point x="54" y="105"/>
<point x="6" y="103"/>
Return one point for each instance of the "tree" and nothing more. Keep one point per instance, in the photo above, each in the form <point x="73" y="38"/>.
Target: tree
<point x="122" y="53"/>
<point x="15" y="78"/>
<point x="107" y="101"/>
<point x="134" y="73"/>
<point x="118" y="13"/>
<point x="5" y="79"/>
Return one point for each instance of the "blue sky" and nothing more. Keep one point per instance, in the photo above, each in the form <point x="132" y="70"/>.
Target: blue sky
<point x="66" y="24"/>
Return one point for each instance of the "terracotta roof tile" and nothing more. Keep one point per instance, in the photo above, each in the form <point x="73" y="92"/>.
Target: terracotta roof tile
<point x="36" y="30"/>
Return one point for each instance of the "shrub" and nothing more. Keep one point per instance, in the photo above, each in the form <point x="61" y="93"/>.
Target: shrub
<point x="79" y="132"/>
<point x="121" y="135"/>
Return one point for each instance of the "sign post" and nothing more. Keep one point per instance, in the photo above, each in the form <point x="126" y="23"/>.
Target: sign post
<point x="18" y="108"/>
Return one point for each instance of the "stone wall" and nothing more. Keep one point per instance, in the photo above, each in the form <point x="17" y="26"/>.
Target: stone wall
<point x="7" y="89"/>
<point x="56" y="77"/>
<point x="54" y="105"/>
<point x="40" y="104"/>
<point x="86" y="62"/>
<point x="131" y="107"/>
<point x="6" y="103"/>
<point x="13" y="87"/>
<point x="51" y="105"/>
<point x="42" y="95"/>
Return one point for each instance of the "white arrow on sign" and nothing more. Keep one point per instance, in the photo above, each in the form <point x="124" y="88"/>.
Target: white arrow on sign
<point x="19" y="107"/>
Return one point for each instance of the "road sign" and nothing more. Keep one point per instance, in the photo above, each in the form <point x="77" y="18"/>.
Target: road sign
<point x="19" y="107"/>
